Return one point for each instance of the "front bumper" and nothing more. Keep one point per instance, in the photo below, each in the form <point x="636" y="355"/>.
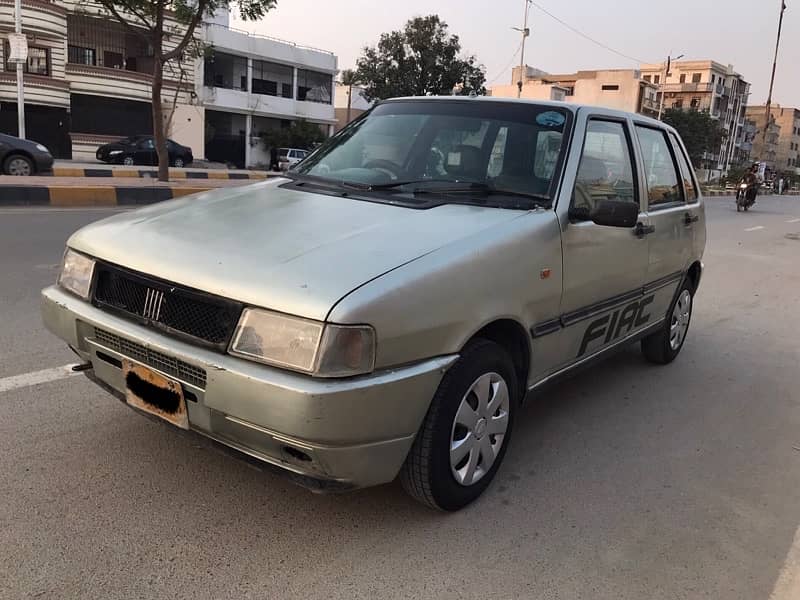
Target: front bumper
<point x="347" y="433"/>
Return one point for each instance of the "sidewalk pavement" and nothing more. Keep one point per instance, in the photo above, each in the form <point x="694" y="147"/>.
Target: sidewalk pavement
<point x="99" y="191"/>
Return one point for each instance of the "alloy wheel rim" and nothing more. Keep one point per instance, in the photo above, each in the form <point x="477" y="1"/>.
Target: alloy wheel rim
<point x="679" y="324"/>
<point x="19" y="166"/>
<point x="479" y="428"/>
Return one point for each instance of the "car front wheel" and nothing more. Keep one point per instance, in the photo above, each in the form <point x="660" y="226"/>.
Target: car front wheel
<point x="178" y="162"/>
<point x="18" y="165"/>
<point x="128" y="161"/>
<point x="467" y="430"/>
<point x="664" y="346"/>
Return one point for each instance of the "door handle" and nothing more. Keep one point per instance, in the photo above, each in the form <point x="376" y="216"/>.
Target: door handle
<point x="689" y="218"/>
<point x="642" y="230"/>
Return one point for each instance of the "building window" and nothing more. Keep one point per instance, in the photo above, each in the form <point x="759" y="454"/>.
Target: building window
<point x="648" y="78"/>
<point x="683" y="78"/>
<point x="225" y="71"/>
<point x="272" y="79"/>
<point x="313" y="86"/>
<point x="677" y="104"/>
<point x="38" y="62"/>
<point x="713" y="78"/>
<point x="657" y="79"/>
<point x="695" y="103"/>
<point x="105" y="43"/>
<point x="610" y="88"/>
<point x="696" y="77"/>
<point x="81" y="56"/>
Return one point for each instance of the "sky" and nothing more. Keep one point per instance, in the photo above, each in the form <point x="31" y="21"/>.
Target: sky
<point x="737" y="32"/>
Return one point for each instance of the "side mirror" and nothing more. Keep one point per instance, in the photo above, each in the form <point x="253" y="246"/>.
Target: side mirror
<point x="615" y="213"/>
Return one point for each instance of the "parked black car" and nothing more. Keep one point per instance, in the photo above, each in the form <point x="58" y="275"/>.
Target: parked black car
<point x="23" y="157"/>
<point x="141" y="150"/>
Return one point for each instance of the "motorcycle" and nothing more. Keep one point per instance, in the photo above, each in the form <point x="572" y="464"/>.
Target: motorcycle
<point x="745" y="196"/>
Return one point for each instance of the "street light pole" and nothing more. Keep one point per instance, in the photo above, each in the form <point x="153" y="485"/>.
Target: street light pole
<point x="525" y="33"/>
<point x="772" y="80"/>
<point x="20" y="81"/>
<point x="664" y="75"/>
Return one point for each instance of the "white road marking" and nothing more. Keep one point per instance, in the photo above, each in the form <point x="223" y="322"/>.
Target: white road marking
<point x="788" y="585"/>
<point x="36" y="377"/>
<point x="793" y="221"/>
<point x="756" y="228"/>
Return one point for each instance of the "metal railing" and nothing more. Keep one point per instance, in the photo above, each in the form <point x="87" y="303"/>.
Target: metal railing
<point x="266" y="37"/>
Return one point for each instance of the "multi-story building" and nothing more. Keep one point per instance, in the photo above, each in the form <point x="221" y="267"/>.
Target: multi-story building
<point x="622" y="89"/>
<point x="706" y="85"/>
<point x="88" y="80"/>
<point x="763" y="144"/>
<point x="250" y="84"/>
<point x="787" y="153"/>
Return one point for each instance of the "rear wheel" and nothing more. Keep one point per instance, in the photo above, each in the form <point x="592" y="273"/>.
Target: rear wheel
<point x="18" y="165"/>
<point x="664" y="346"/>
<point x="178" y="162"/>
<point x="467" y="430"/>
<point x="128" y="161"/>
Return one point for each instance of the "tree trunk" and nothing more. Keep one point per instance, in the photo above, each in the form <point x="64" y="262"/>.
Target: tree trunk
<point x="158" y="119"/>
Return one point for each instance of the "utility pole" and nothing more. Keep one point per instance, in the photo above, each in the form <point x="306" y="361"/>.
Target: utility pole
<point x="20" y="80"/>
<point x="664" y="74"/>
<point x="525" y="33"/>
<point x="768" y="116"/>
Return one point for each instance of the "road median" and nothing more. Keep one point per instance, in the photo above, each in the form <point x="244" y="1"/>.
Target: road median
<point x="89" y="191"/>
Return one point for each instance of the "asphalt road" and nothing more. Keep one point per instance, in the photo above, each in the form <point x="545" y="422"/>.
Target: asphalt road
<point x="628" y="482"/>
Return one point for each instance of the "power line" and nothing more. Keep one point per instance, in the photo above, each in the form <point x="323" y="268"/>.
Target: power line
<point x="510" y="61"/>
<point x="583" y="35"/>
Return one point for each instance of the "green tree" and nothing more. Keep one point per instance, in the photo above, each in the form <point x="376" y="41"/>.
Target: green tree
<point x="171" y="45"/>
<point x="349" y="78"/>
<point x="300" y="134"/>
<point x="699" y="131"/>
<point x="420" y="60"/>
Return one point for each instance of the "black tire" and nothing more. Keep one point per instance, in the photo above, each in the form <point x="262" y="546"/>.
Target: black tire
<point x="18" y="164"/>
<point x="178" y="163"/>
<point x="427" y="475"/>
<point x="658" y="347"/>
<point x="128" y="161"/>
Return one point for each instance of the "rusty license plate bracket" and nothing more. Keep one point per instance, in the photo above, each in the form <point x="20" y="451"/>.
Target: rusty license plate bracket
<point x="153" y="393"/>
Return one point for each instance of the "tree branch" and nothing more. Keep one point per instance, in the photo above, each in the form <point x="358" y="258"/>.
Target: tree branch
<point x="189" y="35"/>
<point x="110" y="6"/>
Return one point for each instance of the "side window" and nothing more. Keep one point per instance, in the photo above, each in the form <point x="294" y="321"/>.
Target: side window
<point x="686" y="170"/>
<point x="663" y="186"/>
<point x="606" y="169"/>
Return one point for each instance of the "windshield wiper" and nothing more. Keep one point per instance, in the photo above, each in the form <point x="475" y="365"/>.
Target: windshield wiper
<point x="484" y="188"/>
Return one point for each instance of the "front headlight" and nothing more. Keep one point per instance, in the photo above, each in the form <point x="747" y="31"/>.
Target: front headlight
<point x="42" y="148"/>
<point x="320" y="349"/>
<point x="76" y="274"/>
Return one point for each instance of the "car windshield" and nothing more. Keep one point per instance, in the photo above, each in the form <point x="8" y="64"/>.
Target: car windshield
<point x="447" y="147"/>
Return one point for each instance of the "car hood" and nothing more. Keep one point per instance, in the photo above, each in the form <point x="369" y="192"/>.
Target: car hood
<point x="287" y="250"/>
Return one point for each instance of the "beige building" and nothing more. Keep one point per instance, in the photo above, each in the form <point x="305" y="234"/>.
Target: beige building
<point x="787" y="154"/>
<point x="352" y="95"/>
<point x="712" y="86"/>
<point x="618" y="89"/>
<point x="763" y="147"/>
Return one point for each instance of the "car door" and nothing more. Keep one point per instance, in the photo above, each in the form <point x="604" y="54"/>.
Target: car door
<point x="604" y="267"/>
<point x="144" y="152"/>
<point x="669" y="219"/>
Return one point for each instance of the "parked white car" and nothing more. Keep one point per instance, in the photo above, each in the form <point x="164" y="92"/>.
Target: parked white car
<point x="289" y="157"/>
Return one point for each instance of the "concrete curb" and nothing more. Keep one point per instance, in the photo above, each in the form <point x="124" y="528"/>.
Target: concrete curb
<point x="76" y="196"/>
<point x="151" y="173"/>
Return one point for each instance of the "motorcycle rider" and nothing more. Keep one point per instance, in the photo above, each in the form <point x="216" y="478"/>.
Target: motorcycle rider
<point x="751" y="179"/>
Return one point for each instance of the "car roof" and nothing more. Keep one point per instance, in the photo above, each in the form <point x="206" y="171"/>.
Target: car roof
<point x="573" y="107"/>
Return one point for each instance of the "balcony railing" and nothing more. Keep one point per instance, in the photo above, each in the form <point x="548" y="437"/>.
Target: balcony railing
<point x="689" y="87"/>
<point x="214" y="26"/>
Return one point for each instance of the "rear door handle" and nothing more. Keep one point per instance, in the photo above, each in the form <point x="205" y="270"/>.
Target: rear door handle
<point x="689" y="218"/>
<point x="642" y="230"/>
